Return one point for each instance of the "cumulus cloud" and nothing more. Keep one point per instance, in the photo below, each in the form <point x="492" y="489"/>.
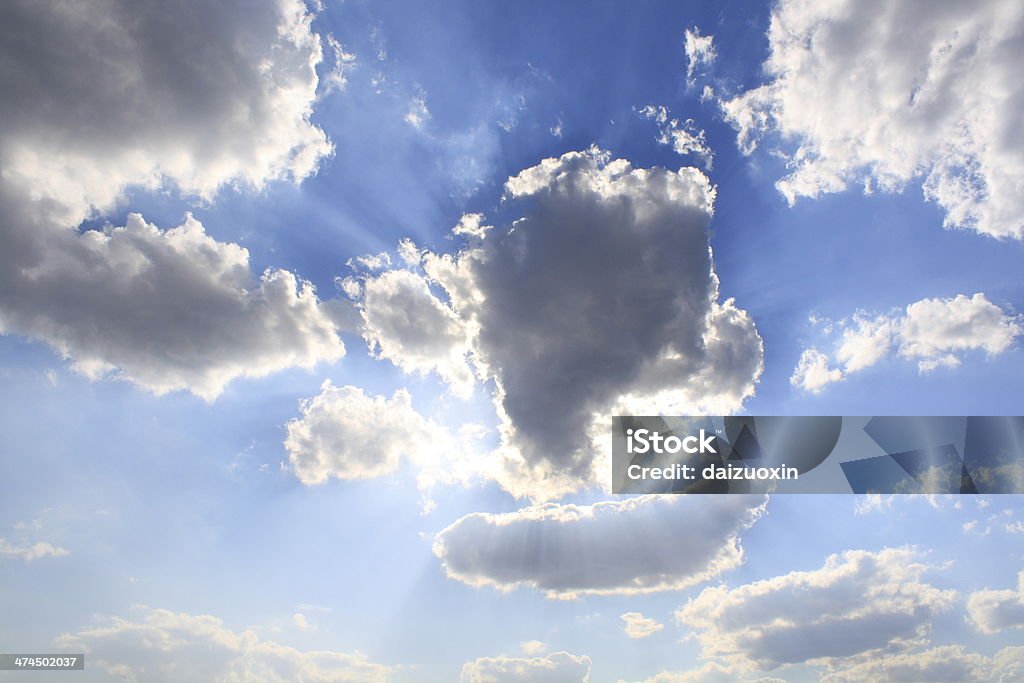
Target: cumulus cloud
<point x="638" y="626"/>
<point x="405" y="323"/>
<point x="122" y="95"/>
<point x="685" y="137"/>
<point x="168" y="646"/>
<point x="572" y="550"/>
<point x="165" y="309"/>
<point x="812" y="372"/>
<point x="343" y="433"/>
<point x="471" y="225"/>
<point x="882" y="93"/>
<point x="601" y="298"/>
<point x="933" y="332"/>
<point x="557" y="667"/>
<point x="992" y="611"/>
<point x="946" y="664"/>
<point x="28" y="551"/>
<point x="533" y="647"/>
<point x="859" y="603"/>
<point x="700" y="52"/>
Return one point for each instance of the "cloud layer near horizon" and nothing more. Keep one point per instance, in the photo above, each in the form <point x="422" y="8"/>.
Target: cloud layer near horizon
<point x="164" y="646"/>
<point x="557" y="667"/>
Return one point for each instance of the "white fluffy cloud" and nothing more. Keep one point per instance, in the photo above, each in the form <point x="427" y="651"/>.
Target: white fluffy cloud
<point x="404" y="322"/>
<point x="471" y="225"/>
<point x="946" y="664"/>
<point x="881" y="93"/>
<point x="858" y="603"/>
<point x="572" y="550"/>
<point x="933" y="332"/>
<point x="346" y="434"/>
<point x="557" y="667"/>
<point x="638" y="626"/>
<point x="121" y="95"/>
<point x="172" y="647"/>
<point x="992" y="611"/>
<point x="601" y="298"/>
<point x="29" y="551"/>
<point x="812" y="372"/>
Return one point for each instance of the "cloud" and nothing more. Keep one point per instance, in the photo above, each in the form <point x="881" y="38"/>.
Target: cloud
<point x="858" y="603"/>
<point x="302" y="623"/>
<point x="169" y="646"/>
<point x="572" y="550"/>
<point x="120" y="96"/>
<point x="949" y="663"/>
<point x="405" y="323"/>
<point x="992" y="611"/>
<point x="711" y="672"/>
<point x="533" y="647"/>
<point x="30" y="551"/>
<point x="342" y="62"/>
<point x="700" y="51"/>
<point x="164" y="309"/>
<point x="346" y="434"/>
<point x="370" y="261"/>
<point x="685" y="138"/>
<point x="812" y="372"/>
<point x="418" y="113"/>
<point x="934" y="332"/>
<point x="881" y="94"/>
<point x="557" y="667"/>
<point x="934" y="329"/>
<point x="471" y="225"/>
<point x="601" y="298"/>
<point x="638" y="626"/>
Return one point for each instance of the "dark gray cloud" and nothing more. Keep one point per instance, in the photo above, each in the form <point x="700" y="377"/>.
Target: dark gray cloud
<point x="601" y="298"/>
<point x="104" y="95"/>
<point x="572" y="550"/>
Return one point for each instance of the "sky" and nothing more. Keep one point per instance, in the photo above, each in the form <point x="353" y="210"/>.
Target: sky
<point x="312" y="317"/>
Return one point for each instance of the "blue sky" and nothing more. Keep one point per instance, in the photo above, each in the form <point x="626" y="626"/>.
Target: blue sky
<point x="170" y="439"/>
